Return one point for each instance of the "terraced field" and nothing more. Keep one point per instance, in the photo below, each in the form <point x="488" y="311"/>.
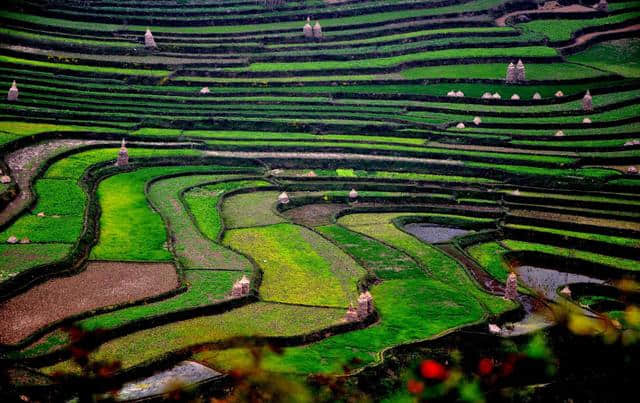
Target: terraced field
<point x="272" y="176"/>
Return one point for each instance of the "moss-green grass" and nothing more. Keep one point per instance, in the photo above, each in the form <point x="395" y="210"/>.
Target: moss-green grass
<point x="383" y="260"/>
<point x="410" y="310"/>
<point x="191" y="247"/>
<point x="75" y="165"/>
<point x="250" y="209"/>
<point x="409" y="176"/>
<point x="494" y="71"/>
<point x="619" y="56"/>
<point x="386" y="62"/>
<point x="438" y="265"/>
<point x="18" y="258"/>
<point x="82" y="68"/>
<point x="607" y="239"/>
<point x="63" y="197"/>
<point x="13" y="130"/>
<point x="203" y="201"/>
<point x="620" y="263"/>
<point x="129" y="229"/>
<point x="54" y="229"/>
<point x="489" y="255"/>
<point x="259" y="319"/>
<point x="565" y="30"/>
<point x="299" y="266"/>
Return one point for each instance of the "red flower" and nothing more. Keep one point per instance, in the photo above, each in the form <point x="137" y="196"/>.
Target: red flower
<point x="431" y="369"/>
<point x="507" y="369"/>
<point x="485" y="366"/>
<point x="415" y="387"/>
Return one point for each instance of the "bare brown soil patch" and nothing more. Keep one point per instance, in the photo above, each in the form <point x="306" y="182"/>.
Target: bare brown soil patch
<point x="573" y="8"/>
<point x="475" y="147"/>
<point x="314" y="215"/>
<point x="101" y="284"/>
<point x="24" y="164"/>
<point x="587" y="37"/>
<point x="561" y="217"/>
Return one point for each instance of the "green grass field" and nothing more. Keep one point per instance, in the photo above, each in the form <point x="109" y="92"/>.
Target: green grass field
<point x="234" y="105"/>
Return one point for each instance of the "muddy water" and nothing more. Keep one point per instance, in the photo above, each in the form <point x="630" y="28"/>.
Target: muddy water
<point x="547" y="281"/>
<point x="186" y="373"/>
<point x="432" y="233"/>
<point x="538" y="279"/>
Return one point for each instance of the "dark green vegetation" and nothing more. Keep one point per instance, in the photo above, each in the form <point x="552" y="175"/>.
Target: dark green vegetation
<point x="235" y="106"/>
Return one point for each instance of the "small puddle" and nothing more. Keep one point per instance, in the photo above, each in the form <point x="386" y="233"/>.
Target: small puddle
<point x="186" y="373"/>
<point x="547" y="281"/>
<point x="432" y="233"/>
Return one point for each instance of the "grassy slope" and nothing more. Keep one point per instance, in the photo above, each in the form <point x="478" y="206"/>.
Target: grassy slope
<point x="129" y="229"/>
<point x="299" y="266"/>
<point x="192" y="248"/>
<point x="250" y="210"/>
<point x="202" y="202"/>
<point x="255" y="319"/>
<point x="621" y="57"/>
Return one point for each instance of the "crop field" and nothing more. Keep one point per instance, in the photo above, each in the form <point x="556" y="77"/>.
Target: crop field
<point x="319" y="200"/>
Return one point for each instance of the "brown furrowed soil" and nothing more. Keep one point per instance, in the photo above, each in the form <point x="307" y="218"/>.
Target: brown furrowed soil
<point x="314" y="215"/>
<point x="101" y="284"/>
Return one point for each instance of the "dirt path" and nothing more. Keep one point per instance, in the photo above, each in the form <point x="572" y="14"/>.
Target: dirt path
<point x="314" y="215"/>
<point x="169" y="61"/>
<point x="101" y="284"/>
<point x="327" y="156"/>
<point x="489" y="283"/>
<point x="576" y="219"/>
<point x="574" y="8"/>
<point x="587" y="37"/>
<point x="24" y="164"/>
<point x="473" y="147"/>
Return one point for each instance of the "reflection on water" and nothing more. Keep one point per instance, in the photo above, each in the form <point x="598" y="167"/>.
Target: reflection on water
<point x="432" y="233"/>
<point x="547" y="281"/>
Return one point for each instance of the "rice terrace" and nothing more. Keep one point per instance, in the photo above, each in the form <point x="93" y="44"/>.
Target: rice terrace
<point x="320" y="200"/>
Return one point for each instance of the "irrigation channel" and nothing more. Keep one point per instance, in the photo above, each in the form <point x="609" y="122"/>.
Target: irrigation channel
<point x="545" y="282"/>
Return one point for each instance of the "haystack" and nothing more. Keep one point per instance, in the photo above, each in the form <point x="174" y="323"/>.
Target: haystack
<point x="602" y="5"/>
<point x="123" y="155"/>
<point x="13" y="92"/>
<point x="307" y="31"/>
<point x="587" y="101"/>
<point x="521" y="75"/>
<point x="365" y="305"/>
<point x="511" y="288"/>
<point x="149" y="42"/>
<point x="317" y="30"/>
<point x="283" y="198"/>
<point x="511" y="74"/>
